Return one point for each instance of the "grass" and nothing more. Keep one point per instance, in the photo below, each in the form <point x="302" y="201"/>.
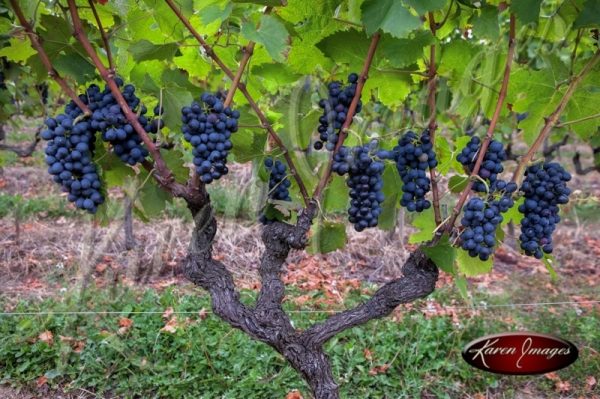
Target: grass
<point x="206" y="358"/>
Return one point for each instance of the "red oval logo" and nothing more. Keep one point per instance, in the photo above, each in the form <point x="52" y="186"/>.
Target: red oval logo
<point x="520" y="353"/>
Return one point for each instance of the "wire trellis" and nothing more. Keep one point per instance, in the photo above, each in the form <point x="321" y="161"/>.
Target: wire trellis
<point x="152" y="312"/>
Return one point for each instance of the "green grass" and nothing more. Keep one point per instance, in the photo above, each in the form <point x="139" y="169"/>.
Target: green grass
<point x="51" y="206"/>
<point x="208" y="359"/>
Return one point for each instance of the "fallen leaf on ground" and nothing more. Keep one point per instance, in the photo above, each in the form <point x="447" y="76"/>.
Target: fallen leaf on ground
<point x="295" y="394"/>
<point x="168" y="313"/>
<point x="171" y="326"/>
<point x="41" y="381"/>
<point x="46" y="337"/>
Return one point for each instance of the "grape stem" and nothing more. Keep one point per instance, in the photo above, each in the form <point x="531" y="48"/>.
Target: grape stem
<point x="164" y="176"/>
<point x="432" y="125"/>
<point x="490" y="132"/>
<point x="351" y="111"/>
<point x="242" y="87"/>
<point x="103" y="35"/>
<point x="552" y="120"/>
<point x="52" y="72"/>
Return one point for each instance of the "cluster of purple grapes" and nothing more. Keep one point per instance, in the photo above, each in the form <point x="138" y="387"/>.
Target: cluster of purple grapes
<point x="365" y="181"/>
<point x="109" y="119"/>
<point x="69" y="156"/>
<point x="544" y="188"/>
<point x="279" y="185"/>
<point x="490" y="167"/>
<point x="71" y="137"/>
<point x="208" y="126"/>
<point x="335" y="111"/>
<point x="480" y="221"/>
<point x="414" y="156"/>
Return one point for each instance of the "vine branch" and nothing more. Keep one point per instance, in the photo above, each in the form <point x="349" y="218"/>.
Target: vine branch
<point x="52" y="72"/>
<point x="552" y="120"/>
<point x="351" y="110"/>
<point x="432" y="125"/>
<point x="103" y="35"/>
<point x="164" y="175"/>
<point x="242" y="87"/>
<point x="574" y="121"/>
<point x="490" y="132"/>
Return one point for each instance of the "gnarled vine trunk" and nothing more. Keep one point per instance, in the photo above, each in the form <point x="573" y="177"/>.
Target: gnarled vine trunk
<point x="267" y="322"/>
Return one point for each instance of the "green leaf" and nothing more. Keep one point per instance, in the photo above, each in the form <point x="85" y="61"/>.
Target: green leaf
<point x="485" y="25"/>
<point x="175" y="162"/>
<point x="405" y="52"/>
<point x="442" y="254"/>
<point x="18" y="50"/>
<point x="214" y="12"/>
<point x="425" y="222"/>
<point x="328" y="237"/>
<point x="272" y="34"/>
<point x="424" y="6"/>
<point x="336" y="47"/>
<point x="472" y="266"/>
<point x="389" y="88"/>
<point x="457" y="183"/>
<point x="513" y="214"/>
<point x="391" y="190"/>
<point x="526" y="11"/>
<point x="174" y="98"/>
<point x="273" y="3"/>
<point x="388" y="16"/>
<point x="143" y="50"/>
<point x="589" y="17"/>
<point x="335" y="196"/>
<point x="152" y="198"/>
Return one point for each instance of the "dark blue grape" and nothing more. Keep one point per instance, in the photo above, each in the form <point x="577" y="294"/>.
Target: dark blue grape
<point x="279" y="185"/>
<point x="71" y="164"/>
<point x="365" y="181"/>
<point x="208" y="126"/>
<point x="491" y="166"/>
<point x="335" y="110"/>
<point x="480" y="221"/>
<point x="544" y="188"/>
<point x="414" y="155"/>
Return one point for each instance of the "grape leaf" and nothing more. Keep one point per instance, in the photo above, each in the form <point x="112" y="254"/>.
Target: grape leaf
<point x="457" y="183"/>
<point x="442" y="254"/>
<point x="18" y="50"/>
<point x="335" y="196"/>
<point x="392" y="193"/>
<point x="404" y="52"/>
<point x="272" y="34"/>
<point x="589" y="17"/>
<point x="425" y="222"/>
<point x="143" y="50"/>
<point x="526" y="11"/>
<point x="389" y="16"/>
<point x="485" y="25"/>
<point x="424" y="6"/>
<point x="472" y="266"/>
<point x="174" y="98"/>
<point x="327" y="237"/>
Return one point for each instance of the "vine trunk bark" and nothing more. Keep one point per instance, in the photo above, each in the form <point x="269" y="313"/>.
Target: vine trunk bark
<point x="267" y="322"/>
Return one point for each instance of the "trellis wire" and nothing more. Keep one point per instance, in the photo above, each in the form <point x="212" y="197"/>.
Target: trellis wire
<point x="120" y="312"/>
